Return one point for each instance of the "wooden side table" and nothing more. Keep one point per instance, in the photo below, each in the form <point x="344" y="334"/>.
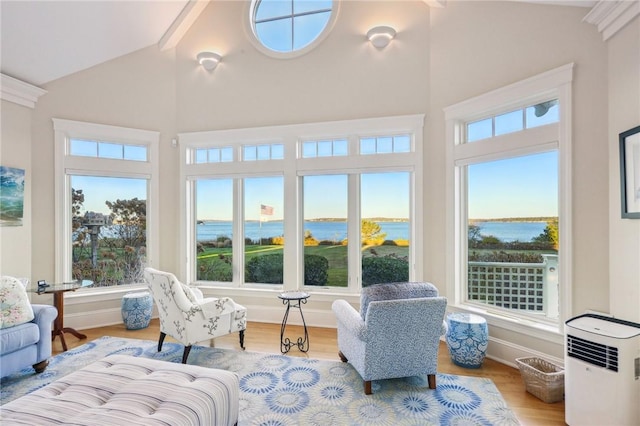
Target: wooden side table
<point x="293" y="299"/>
<point x="58" y="291"/>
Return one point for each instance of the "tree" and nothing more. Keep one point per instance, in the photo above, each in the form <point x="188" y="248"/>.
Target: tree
<point x="371" y="232"/>
<point x="549" y="235"/>
<point x="473" y="232"/>
<point x="77" y="204"/>
<point x="130" y="220"/>
<point x="79" y="232"/>
<point x="130" y="216"/>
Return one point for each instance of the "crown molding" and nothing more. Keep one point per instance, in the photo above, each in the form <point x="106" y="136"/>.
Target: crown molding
<point x="19" y="92"/>
<point x="611" y="16"/>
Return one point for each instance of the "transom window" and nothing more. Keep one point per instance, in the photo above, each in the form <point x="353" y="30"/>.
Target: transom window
<point x="263" y="152"/>
<point x="385" y="144"/>
<point x="540" y="114"/>
<point x="288" y="28"/>
<point x="112" y="150"/>
<point x="214" y="155"/>
<point x="329" y="148"/>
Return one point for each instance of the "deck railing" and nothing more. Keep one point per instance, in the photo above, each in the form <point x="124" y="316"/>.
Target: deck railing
<point x="531" y="287"/>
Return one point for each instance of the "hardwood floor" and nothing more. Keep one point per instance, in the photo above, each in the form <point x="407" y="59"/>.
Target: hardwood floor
<point x="262" y="337"/>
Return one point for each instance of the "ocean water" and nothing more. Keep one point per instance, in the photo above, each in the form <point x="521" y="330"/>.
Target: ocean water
<point x="337" y="231"/>
<point x="512" y="231"/>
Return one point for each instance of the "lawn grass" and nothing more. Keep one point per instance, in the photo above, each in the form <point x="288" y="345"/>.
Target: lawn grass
<point x="335" y="254"/>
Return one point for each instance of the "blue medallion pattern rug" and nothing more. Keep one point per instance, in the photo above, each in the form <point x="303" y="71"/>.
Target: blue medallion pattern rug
<point x="278" y="390"/>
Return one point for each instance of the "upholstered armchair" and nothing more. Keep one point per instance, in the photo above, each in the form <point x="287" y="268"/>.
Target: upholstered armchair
<point x="187" y="316"/>
<point x="395" y="334"/>
<point x="25" y="329"/>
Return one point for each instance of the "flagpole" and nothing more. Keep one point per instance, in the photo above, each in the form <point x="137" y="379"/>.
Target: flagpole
<point x="260" y="224"/>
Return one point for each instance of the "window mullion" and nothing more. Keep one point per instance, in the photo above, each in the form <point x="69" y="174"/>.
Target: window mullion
<point x="353" y="233"/>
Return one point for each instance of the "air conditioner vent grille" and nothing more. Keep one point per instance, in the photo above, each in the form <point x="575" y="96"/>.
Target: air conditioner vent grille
<point x="593" y="353"/>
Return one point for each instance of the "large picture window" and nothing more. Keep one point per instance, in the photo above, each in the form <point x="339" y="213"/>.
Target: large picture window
<point x="106" y="197"/>
<point x="309" y="217"/>
<point x="509" y="154"/>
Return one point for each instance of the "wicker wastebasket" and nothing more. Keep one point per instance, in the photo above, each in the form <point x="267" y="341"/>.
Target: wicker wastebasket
<point x="542" y="379"/>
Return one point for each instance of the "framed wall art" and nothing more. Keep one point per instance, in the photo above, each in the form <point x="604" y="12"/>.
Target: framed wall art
<point x="11" y="196"/>
<point x="630" y="173"/>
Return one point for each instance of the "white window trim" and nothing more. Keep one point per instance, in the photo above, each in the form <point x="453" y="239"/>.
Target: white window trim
<point x="293" y="167"/>
<point x="555" y="83"/>
<point x="253" y="38"/>
<point x="67" y="129"/>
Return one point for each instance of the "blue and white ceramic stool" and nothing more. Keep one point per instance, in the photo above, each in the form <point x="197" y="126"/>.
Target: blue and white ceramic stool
<point x="136" y="310"/>
<point x="467" y="339"/>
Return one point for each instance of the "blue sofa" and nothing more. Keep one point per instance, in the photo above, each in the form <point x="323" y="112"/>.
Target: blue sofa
<point x="28" y="344"/>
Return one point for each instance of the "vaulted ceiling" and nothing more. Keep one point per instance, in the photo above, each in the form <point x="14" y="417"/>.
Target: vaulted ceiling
<point x="45" y="40"/>
<point x="42" y="41"/>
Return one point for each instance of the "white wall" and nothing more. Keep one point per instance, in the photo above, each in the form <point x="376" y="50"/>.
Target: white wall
<point x="624" y="114"/>
<point x="344" y="77"/>
<point x="15" y="151"/>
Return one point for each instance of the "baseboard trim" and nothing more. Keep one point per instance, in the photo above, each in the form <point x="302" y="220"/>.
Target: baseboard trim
<point x="506" y="353"/>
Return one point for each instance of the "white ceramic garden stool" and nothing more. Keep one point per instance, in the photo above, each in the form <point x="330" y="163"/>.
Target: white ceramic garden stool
<point x="467" y="339"/>
<point x="136" y="310"/>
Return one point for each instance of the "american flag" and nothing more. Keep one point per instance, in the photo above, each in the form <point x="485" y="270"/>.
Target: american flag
<point x="266" y="210"/>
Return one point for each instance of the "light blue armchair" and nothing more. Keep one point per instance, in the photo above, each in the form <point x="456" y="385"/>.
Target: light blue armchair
<point x="395" y="334"/>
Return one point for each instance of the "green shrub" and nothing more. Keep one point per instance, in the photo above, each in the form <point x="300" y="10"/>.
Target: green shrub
<point x="268" y="269"/>
<point x="316" y="269"/>
<point x="215" y="270"/>
<point x="502" y="256"/>
<point x="385" y="269"/>
<point x="264" y="269"/>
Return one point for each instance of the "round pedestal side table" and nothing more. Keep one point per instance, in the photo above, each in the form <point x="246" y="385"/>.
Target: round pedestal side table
<point x="467" y="339"/>
<point x="293" y="299"/>
<point x="136" y="310"/>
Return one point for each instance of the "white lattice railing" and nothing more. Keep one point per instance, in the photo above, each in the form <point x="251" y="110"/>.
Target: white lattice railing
<point x="529" y="287"/>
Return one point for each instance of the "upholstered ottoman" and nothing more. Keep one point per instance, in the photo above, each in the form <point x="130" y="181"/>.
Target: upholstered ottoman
<point x="127" y="390"/>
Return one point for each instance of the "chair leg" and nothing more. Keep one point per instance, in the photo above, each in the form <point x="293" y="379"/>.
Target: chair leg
<point x="41" y="366"/>
<point x="242" y="339"/>
<point x="367" y="387"/>
<point x="432" y="381"/>
<point x="185" y="354"/>
<point x="342" y="357"/>
<point x="161" y="340"/>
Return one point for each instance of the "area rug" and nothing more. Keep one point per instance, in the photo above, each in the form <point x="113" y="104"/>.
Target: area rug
<point x="278" y="390"/>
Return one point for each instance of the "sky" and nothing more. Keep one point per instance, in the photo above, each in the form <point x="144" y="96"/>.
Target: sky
<point x="517" y="187"/>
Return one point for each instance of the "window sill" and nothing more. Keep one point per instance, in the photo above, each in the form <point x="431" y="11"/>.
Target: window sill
<point x="525" y="326"/>
<point x="318" y="295"/>
<point x="89" y="295"/>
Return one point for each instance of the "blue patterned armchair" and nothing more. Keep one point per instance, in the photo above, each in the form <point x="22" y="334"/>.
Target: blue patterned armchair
<point x="395" y="334"/>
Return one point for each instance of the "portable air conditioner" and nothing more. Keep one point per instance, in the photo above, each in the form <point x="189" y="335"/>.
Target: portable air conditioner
<point x="602" y="371"/>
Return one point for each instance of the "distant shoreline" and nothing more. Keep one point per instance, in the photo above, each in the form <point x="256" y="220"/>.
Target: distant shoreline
<point x="395" y="219"/>
<point x="518" y="219"/>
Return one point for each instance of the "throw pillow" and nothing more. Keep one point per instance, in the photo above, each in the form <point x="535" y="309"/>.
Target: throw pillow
<point x="394" y="291"/>
<point x="15" y="307"/>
